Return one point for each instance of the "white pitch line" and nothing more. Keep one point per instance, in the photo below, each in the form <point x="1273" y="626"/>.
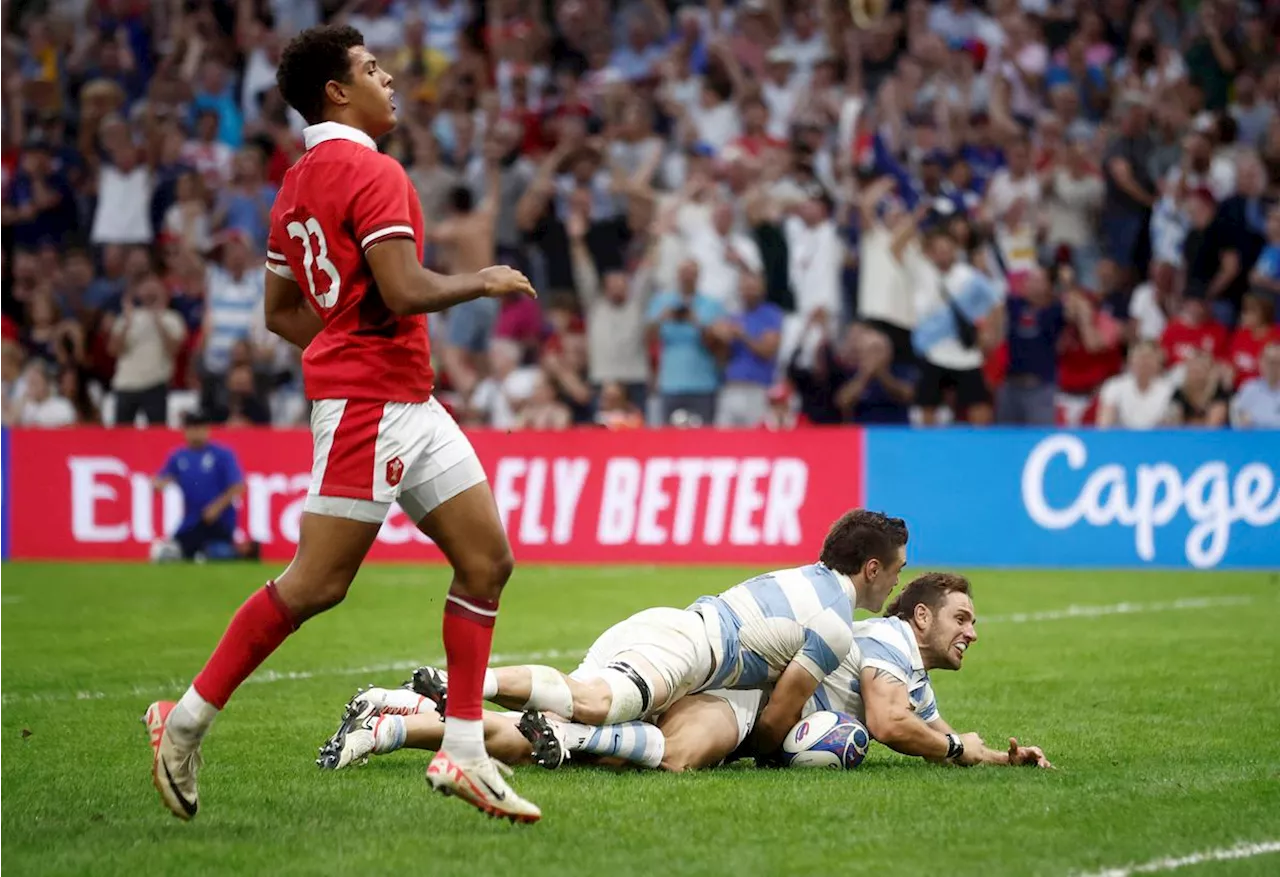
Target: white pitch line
<point x="1117" y="609"/>
<point x="268" y="676"/>
<point x="1224" y="854"/>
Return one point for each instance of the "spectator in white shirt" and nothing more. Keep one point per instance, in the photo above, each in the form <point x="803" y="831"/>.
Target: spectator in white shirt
<point x="123" y="214"/>
<point x="39" y="405"/>
<point x="722" y="255"/>
<point x="1257" y="405"/>
<point x="145" y="341"/>
<point x="1139" y="398"/>
<point x="1013" y="206"/>
<point x="499" y="398"/>
<point x="815" y="255"/>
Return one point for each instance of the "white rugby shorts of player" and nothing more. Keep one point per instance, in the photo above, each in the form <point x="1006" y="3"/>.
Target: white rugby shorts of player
<point x="675" y="643"/>
<point x="367" y="455"/>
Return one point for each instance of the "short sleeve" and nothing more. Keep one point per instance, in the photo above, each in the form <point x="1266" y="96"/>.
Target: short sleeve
<point x="231" y="469"/>
<point x="276" y="261"/>
<point x="380" y="209"/>
<point x="170" y="467"/>
<point x="883" y="655"/>
<point x="826" y="641"/>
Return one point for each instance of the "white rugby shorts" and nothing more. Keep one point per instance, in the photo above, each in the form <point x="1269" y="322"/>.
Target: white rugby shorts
<point x="673" y="641"/>
<point x="367" y="455"/>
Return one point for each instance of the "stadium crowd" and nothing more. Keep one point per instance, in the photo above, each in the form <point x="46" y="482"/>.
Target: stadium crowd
<point x="779" y="211"/>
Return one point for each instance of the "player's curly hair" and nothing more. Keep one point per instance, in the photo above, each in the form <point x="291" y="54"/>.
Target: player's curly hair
<point x="310" y="61"/>
<point x="931" y="589"/>
<point x="860" y="535"/>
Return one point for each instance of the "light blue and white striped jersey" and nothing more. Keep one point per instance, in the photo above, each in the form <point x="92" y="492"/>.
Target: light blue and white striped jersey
<point x="885" y="644"/>
<point x="759" y="627"/>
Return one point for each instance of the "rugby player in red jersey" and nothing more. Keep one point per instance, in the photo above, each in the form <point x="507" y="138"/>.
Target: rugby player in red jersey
<point x="345" y="283"/>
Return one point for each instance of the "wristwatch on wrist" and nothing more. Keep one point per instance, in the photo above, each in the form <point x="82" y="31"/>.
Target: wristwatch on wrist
<point x="955" y="747"/>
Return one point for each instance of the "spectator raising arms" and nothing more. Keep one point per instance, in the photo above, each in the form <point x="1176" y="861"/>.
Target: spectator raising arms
<point x="890" y="183"/>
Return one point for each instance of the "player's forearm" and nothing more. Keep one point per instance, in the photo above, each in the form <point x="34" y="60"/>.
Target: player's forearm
<point x="907" y="735"/>
<point x="438" y="292"/>
<point x="298" y="325"/>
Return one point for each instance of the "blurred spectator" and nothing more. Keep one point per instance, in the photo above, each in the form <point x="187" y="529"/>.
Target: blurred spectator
<point x="543" y="410"/>
<point x="1130" y="189"/>
<point x="188" y="220"/>
<point x="616" y="410"/>
<point x="498" y="399"/>
<point x="752" y="338"/>
<point x="1210" y="257"/>
<point x="145" y="340"/>
<point x="40" y="207"/>
<point x="1074" y="192"/>
<point x="124" y="187"/>
<point x="464" y="241"/>
<point x="740" y="136"/>
<point x="1265" y="279"/>
<point x="234" y="289"/>
<point x="245" y="204"/>
<point x="723" y="257"/>
<point x="1036" y="321"/>
<point x="1139" y="398"/>
<point x="1090" y="350"/>
<point x="951" y="297"/>
<point x="241" y="404"/>
<point x="682" y="324"/>
<point x="1200" y="399"/>
<point x="615" y="311"/>
<point x="38" y="402"/>
<point x="210" y="157"/>
<point x="1192" y="330"/>
<point x="1257" y="329"/>
<point x="1257" y="405"/>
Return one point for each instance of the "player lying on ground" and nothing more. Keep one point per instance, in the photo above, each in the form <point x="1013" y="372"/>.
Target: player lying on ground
<point x="785" y="630"/>
<point x="345" y="282"/>
<point x="697" y="732"/>
<point x="883" y="682"/>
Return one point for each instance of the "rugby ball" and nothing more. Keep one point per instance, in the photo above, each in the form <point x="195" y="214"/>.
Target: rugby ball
<point x="826" y="739"/>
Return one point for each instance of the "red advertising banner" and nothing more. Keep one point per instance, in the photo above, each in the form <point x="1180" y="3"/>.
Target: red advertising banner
<point x="669" y="496"/>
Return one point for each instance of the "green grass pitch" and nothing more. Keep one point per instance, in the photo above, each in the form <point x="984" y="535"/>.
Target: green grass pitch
<point x="1162" y="715"/>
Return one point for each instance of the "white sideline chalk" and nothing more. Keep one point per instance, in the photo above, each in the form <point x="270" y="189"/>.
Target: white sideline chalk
<point x="1239" y="851"/>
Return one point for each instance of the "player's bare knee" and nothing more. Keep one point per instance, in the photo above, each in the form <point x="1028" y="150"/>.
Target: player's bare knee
<point x="486" y="574"/>
<point x="310" y="596"/>
<point x="591" y="702"/>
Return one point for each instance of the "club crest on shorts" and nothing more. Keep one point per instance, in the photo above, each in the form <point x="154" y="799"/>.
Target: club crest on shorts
<point x="395" y="471"/>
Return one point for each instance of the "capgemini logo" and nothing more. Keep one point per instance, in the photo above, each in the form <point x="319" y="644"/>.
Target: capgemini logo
<point x="1151" y="496"/>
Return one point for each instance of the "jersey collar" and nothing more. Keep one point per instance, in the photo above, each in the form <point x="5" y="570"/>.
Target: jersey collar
<point x="847" y="584"/>
<point x="917" y="662"/>
<point x="314" y="135"/>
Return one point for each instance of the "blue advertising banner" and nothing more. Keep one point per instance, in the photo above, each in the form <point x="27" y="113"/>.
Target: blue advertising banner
<point x="1023" y="497"/>
<point x="4" y="494"/>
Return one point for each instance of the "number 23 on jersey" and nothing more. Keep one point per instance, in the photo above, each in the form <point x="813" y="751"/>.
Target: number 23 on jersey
<point x="315" y="259"/>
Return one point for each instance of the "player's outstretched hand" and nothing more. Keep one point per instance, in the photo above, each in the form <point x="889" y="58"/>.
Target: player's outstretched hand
<point x="1026" y="755"/>
<point x="501" y="279"/>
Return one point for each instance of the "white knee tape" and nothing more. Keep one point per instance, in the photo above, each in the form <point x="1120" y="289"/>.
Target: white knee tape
<point x="626" y="703"/>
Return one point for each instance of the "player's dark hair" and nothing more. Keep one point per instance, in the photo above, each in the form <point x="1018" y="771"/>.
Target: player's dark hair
<point x="311" y="61"/>
<point x="930" y="589"/>
<point x="860" y="535"/>
<point x="461" y="199"/>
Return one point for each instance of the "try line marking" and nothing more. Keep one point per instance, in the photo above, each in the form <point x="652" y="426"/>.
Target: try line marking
<point x="267" y="676"/>
<point x="1224" y="854"/>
